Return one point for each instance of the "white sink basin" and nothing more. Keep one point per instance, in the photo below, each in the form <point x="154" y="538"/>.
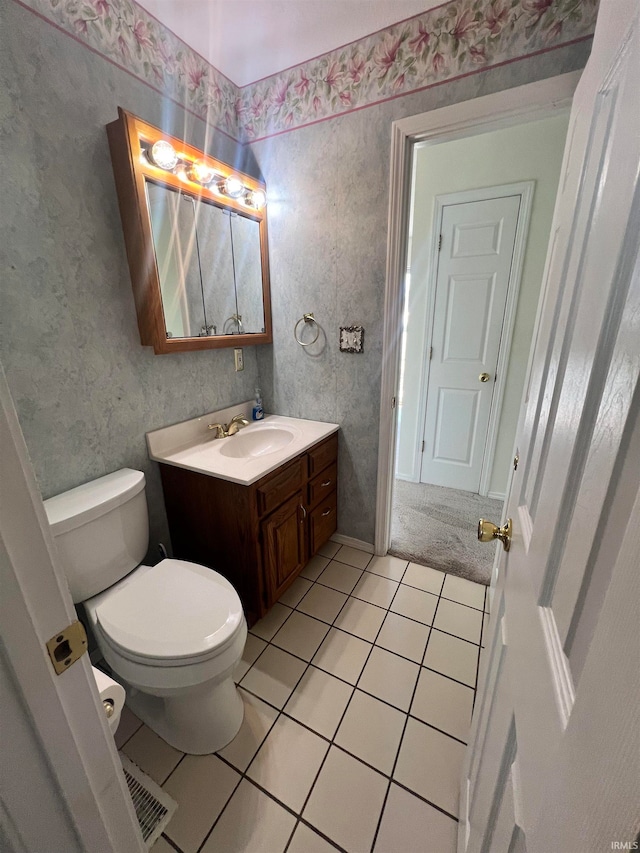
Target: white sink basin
<point x="258" y="443"/>
<point x="253" y="452"/>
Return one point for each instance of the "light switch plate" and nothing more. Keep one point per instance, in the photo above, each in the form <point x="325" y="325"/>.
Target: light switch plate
<point x="351" y="339"/>
<point x="239" y="358"/>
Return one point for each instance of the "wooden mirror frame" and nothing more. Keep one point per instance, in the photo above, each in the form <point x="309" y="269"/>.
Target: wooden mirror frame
<point x="130" y="167"/>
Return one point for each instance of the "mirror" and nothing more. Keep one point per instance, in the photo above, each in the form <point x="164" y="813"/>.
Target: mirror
<point x="196" y="242"/>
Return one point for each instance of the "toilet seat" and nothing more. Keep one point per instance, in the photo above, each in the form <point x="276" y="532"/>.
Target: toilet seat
<point x="174" y="613"/>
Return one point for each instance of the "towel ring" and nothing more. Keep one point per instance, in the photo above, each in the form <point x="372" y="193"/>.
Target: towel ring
<point x="306" y="318"/>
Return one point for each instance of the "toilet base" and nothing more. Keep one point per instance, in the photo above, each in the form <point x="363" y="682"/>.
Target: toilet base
<point x="198" y="721"/>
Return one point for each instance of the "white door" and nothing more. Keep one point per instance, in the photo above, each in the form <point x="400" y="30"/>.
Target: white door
<point x="474" y="267"/>
<point x="553" y="762"/>
<point x="61" y="785"/>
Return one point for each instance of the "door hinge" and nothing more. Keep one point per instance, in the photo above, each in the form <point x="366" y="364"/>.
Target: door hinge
<point x="67" y="646"/>
<point x="440" y="242"/>
<point x="393" y="402"/>
<point x="516" y="459"/>
<point x="430" y="353"/>
<point x="422" y="451"/>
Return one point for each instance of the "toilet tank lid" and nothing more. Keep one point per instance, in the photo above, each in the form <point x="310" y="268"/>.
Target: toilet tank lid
<point x="91" y="500"/>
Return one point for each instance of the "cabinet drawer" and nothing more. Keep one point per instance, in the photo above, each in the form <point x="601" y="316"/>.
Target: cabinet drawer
<point x="325" y="454"/>
<point x="323" y="484"/>
<point x="275" y="489"/>
<point x="323" y="521"/>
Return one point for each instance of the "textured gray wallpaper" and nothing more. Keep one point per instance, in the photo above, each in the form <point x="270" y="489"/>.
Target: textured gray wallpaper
<point x="329" y="190"/>
<point x="86" y="391"/>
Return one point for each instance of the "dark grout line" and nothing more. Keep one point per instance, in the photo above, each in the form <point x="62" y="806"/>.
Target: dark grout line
<point x="425" y="800"/>
<point x="301" y="819"/>
<point x="281" y="712"/>
<point x="379" y="606"/>
<point x="172" y="771"/>
<point x="480" y="647"/>
<point x="462" y="604"/>
<point x="401" y="741"/>
<point x="125" y="742"/>
<point x="457" y="636"/>
<point x="342" y="562"/>
<point x="231" y="795"/>
<point x="441" y="731"/>
<point x="333" y="625"/>
<point x="450" y="677"/>
<point x="344" y="713"/>
<point x="317" y="831"/>
<point x="270" y="729"/>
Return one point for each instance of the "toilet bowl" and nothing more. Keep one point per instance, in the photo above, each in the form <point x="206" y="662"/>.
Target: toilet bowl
<point x="172" y="633"/>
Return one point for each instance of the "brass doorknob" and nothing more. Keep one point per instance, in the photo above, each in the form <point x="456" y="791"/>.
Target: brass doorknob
<point x="484" y="377"/>
<point x="487" y="532"/>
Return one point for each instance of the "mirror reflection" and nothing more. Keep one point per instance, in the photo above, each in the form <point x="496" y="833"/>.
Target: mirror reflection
<point x="209" y="265"/>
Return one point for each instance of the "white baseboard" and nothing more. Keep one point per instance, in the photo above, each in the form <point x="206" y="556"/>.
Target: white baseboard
<point x="406" y="478"/>
<point x="497" y="496"/>
<point x="354" y="543"/>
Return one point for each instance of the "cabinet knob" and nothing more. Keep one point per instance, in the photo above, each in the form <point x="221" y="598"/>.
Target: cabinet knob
<point x="327" y="512"/>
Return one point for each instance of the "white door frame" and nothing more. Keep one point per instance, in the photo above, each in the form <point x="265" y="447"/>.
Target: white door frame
<point x="66" y="789"/>
<point x="532" y="102"/>
<point x="525" y="190"/>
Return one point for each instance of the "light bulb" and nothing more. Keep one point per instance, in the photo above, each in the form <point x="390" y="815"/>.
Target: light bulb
<point x="256" y="198"/>
<point x="201" y="172"/>
<point x="232" y="187"/>
<point x="181" y="172"/>
<point x="163" y="155"/>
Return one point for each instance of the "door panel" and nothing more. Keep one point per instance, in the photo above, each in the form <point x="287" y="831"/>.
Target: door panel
<point x="575" y="493"/>
<point x="474" y="267"/>
<point x="456" y="422"/>
<point x="473" y="240"/>
<point x="469" y="306"/>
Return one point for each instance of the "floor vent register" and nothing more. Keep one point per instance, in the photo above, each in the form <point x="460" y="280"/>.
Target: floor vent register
<point x="154" y="808"/>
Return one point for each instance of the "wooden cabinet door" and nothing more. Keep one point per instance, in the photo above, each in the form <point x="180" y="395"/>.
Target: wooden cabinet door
<point x="283" y="546"/>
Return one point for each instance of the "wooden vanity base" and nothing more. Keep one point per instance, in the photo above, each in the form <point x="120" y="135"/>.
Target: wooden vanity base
<point x="260" y="536"/>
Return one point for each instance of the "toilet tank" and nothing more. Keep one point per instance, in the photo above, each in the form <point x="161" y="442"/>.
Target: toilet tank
<point x="101" y="530"/>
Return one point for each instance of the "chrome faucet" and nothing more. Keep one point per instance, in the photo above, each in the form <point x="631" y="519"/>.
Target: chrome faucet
<point x="224" y="430"/>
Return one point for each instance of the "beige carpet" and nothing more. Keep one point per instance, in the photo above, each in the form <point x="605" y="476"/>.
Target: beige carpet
<point x="437" y="527"/>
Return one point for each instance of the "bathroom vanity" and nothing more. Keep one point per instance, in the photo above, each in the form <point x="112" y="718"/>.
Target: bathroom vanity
<point x="257" y="529"/>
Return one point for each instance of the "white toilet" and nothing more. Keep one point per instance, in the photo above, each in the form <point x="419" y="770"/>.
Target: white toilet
<point x="173" y="633"/>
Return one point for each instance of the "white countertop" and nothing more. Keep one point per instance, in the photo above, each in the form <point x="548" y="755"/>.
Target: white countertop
<point x="192" y="446"/>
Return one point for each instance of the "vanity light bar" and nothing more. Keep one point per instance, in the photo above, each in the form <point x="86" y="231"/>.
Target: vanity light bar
<point x="163" y="155"/>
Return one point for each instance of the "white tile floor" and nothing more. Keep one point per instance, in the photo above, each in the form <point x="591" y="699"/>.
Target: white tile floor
<point x="358" y="688"/>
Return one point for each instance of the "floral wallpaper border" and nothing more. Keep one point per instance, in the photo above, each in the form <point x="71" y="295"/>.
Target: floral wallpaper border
<point x="125" y="34"/>
<point x="457" y="38"/>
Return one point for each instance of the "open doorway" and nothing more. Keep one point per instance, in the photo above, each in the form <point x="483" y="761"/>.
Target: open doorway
<point x="478" y="223"/>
